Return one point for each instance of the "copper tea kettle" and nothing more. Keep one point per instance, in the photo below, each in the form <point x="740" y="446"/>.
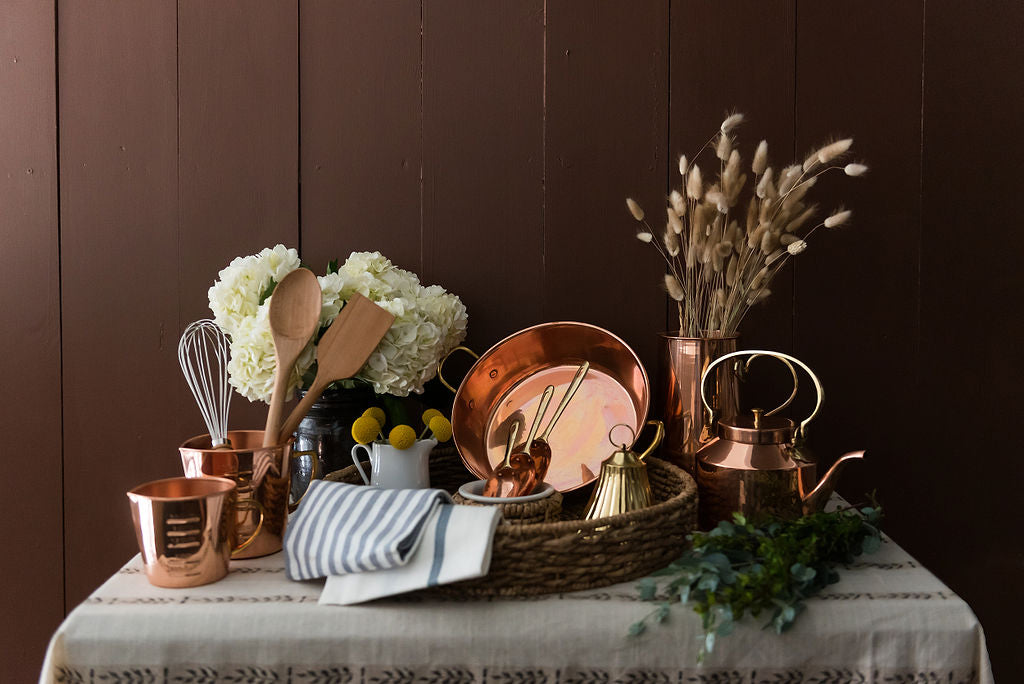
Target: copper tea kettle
<point x="759" y="463"/>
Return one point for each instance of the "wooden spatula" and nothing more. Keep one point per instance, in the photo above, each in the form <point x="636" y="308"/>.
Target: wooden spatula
<point x="342" y="351"/>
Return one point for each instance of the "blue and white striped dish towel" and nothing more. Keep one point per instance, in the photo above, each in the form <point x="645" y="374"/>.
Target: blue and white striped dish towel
<point x="372" y="542"/>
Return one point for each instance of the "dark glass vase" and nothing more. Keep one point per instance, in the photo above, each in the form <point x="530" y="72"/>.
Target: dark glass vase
<point x="327" y="432"/>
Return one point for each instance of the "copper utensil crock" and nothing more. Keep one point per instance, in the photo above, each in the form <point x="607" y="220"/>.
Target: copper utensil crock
<point x="185" y="528"/>
<point x="510" y="378"/>
<point x="262" y="475"/>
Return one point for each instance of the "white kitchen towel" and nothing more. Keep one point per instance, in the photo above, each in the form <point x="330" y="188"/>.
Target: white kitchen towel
<point x="341" y="528"/>
<point x="457" y="542"/>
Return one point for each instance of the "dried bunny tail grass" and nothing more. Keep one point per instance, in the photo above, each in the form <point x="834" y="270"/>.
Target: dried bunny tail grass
<point x="775" y="256"/>
<point x="769" y="242"/>
<point x="673" y="221"/>
<point x="752" y="214"/>
<point x="691" y="255"/>
<point x="730" y="272"/>
<point x="788" y="178"/>
<point x="797" y="247"/>
<point x="674" y="289"/>
<point x="718" y="198"/>
<point x="694" y="184"/>
<point x="855" y="169"/>
<point x="723" y="248"/>
<point x="840" y="217"/>
<point x="671" y="241"/>
<point x="798" y="191"/>
<point x="801" y="219"/>
<point x="682" y="166"/>
<point x="759" y="295"/>
<point x="787" y="239"/>
<point x="760" y="158"/>
<point x="724" y="147"/>
<point x="755" y="237"/>
<point x="833" y="150"/>
<point x="765" y="187"/>
<point x="644" y="236"/>
<point x="678" y="203"/>
<point x="810" y="162"/>
<point x="635" y="209"/>
<point x="731" y="122"/>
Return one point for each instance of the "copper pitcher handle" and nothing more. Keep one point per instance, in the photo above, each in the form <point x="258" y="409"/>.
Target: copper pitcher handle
<point x="440" y="366"/>
<point x="778" y="355"/>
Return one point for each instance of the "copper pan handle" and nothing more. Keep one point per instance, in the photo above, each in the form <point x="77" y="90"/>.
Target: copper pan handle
<point x="780" y="356"/>
<point x="440" y="366"/>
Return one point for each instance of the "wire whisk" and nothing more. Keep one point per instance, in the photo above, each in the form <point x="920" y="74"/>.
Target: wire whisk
<point x="203" y="355"/>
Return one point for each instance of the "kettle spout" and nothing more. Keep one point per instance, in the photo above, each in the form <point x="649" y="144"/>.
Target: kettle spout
<point x="819" y="496"/>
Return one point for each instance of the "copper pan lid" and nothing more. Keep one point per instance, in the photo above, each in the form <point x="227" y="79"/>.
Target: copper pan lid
<point x="506" y="384"/>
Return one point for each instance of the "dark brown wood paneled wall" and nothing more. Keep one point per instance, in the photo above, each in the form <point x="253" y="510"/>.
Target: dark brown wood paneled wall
<point x="489" y="145"/>
<point x="31" y="566"/>
<point x="119" y="271"/>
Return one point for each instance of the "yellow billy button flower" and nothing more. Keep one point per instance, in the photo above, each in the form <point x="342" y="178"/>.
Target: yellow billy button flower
<point x="429" y="415"/>
<point x="365" y="429"/>
<point x="377" y="413"/>
<point x="402" y="437"/>
<point x="441" y="428"/>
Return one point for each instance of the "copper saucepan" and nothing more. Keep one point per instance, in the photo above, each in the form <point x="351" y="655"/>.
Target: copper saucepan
<point x="507" y="382"/>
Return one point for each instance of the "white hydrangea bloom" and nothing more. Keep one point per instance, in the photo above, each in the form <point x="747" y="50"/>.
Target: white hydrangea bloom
<point x="235" y="296"/>
<point x="429" y="321"/>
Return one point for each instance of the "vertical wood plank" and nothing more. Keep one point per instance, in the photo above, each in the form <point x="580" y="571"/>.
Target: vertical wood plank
<point x="736" y="56"/>
<point x="971" y="324"/>
<point x="483" y="127"/>
<point x="360" y="108"/>
<point x="119" y="271"/>
<point x="606" y="136"/>
<point x="857" y="292"/>
<point x="238" y="148"/>
<point x="33" y="602"/>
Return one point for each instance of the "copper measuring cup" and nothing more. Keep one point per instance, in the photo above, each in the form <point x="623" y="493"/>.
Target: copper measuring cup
<point x="185" y="528"/>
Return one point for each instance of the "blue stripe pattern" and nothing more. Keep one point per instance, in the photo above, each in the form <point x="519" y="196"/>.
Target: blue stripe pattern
<point x="442" y="530"/>
<point x="341" y="528"/>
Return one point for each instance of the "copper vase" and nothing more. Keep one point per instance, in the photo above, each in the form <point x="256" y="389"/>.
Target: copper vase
<point x="681" y="361"/>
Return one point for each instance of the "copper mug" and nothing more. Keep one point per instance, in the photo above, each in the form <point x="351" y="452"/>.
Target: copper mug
<point x="262" y="475"/>
<point x="186" y="529"/>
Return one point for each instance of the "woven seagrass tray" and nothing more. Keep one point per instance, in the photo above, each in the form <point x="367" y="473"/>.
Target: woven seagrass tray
<point x="569" y="554"/>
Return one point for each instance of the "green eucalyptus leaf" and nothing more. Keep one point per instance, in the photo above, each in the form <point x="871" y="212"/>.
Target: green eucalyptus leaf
<point x="637" y="628"/>
<point x="647" y="588"/>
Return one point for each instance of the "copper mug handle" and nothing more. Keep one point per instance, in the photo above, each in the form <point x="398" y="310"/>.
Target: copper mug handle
<point x="785" y="358"/>
<point x="440" y="366"/>
<point x="251" y="504"/>
<point x="314" y="473"/>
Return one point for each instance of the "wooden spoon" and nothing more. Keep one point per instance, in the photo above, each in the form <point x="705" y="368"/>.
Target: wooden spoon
<point x="294" y="315"/>
<point x="342" y="351"/>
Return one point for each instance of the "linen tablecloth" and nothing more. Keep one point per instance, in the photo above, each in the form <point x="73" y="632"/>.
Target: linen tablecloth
<point x="887" y="620"/>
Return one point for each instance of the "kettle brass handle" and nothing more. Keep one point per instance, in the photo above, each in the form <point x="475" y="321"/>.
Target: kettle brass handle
<point x="778" y="355"/>
<point x="792" y="371"/>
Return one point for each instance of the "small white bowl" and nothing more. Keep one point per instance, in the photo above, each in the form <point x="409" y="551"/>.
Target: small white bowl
<point x="474" y="492"/>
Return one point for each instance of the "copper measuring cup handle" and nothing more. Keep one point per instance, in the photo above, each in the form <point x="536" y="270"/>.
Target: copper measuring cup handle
<point x="314" y="474"/>
<point x="781" y="357"/>
<point x="251" y="504"/>
<point x="440" y="366"/>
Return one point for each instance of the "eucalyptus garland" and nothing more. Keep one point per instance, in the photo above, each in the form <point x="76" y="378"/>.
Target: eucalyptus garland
<point x="744" y="566"/>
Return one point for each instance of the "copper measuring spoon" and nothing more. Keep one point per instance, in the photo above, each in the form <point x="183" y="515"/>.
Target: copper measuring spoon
<point x="516" y="475"/>
<point x="539" y="448"/>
